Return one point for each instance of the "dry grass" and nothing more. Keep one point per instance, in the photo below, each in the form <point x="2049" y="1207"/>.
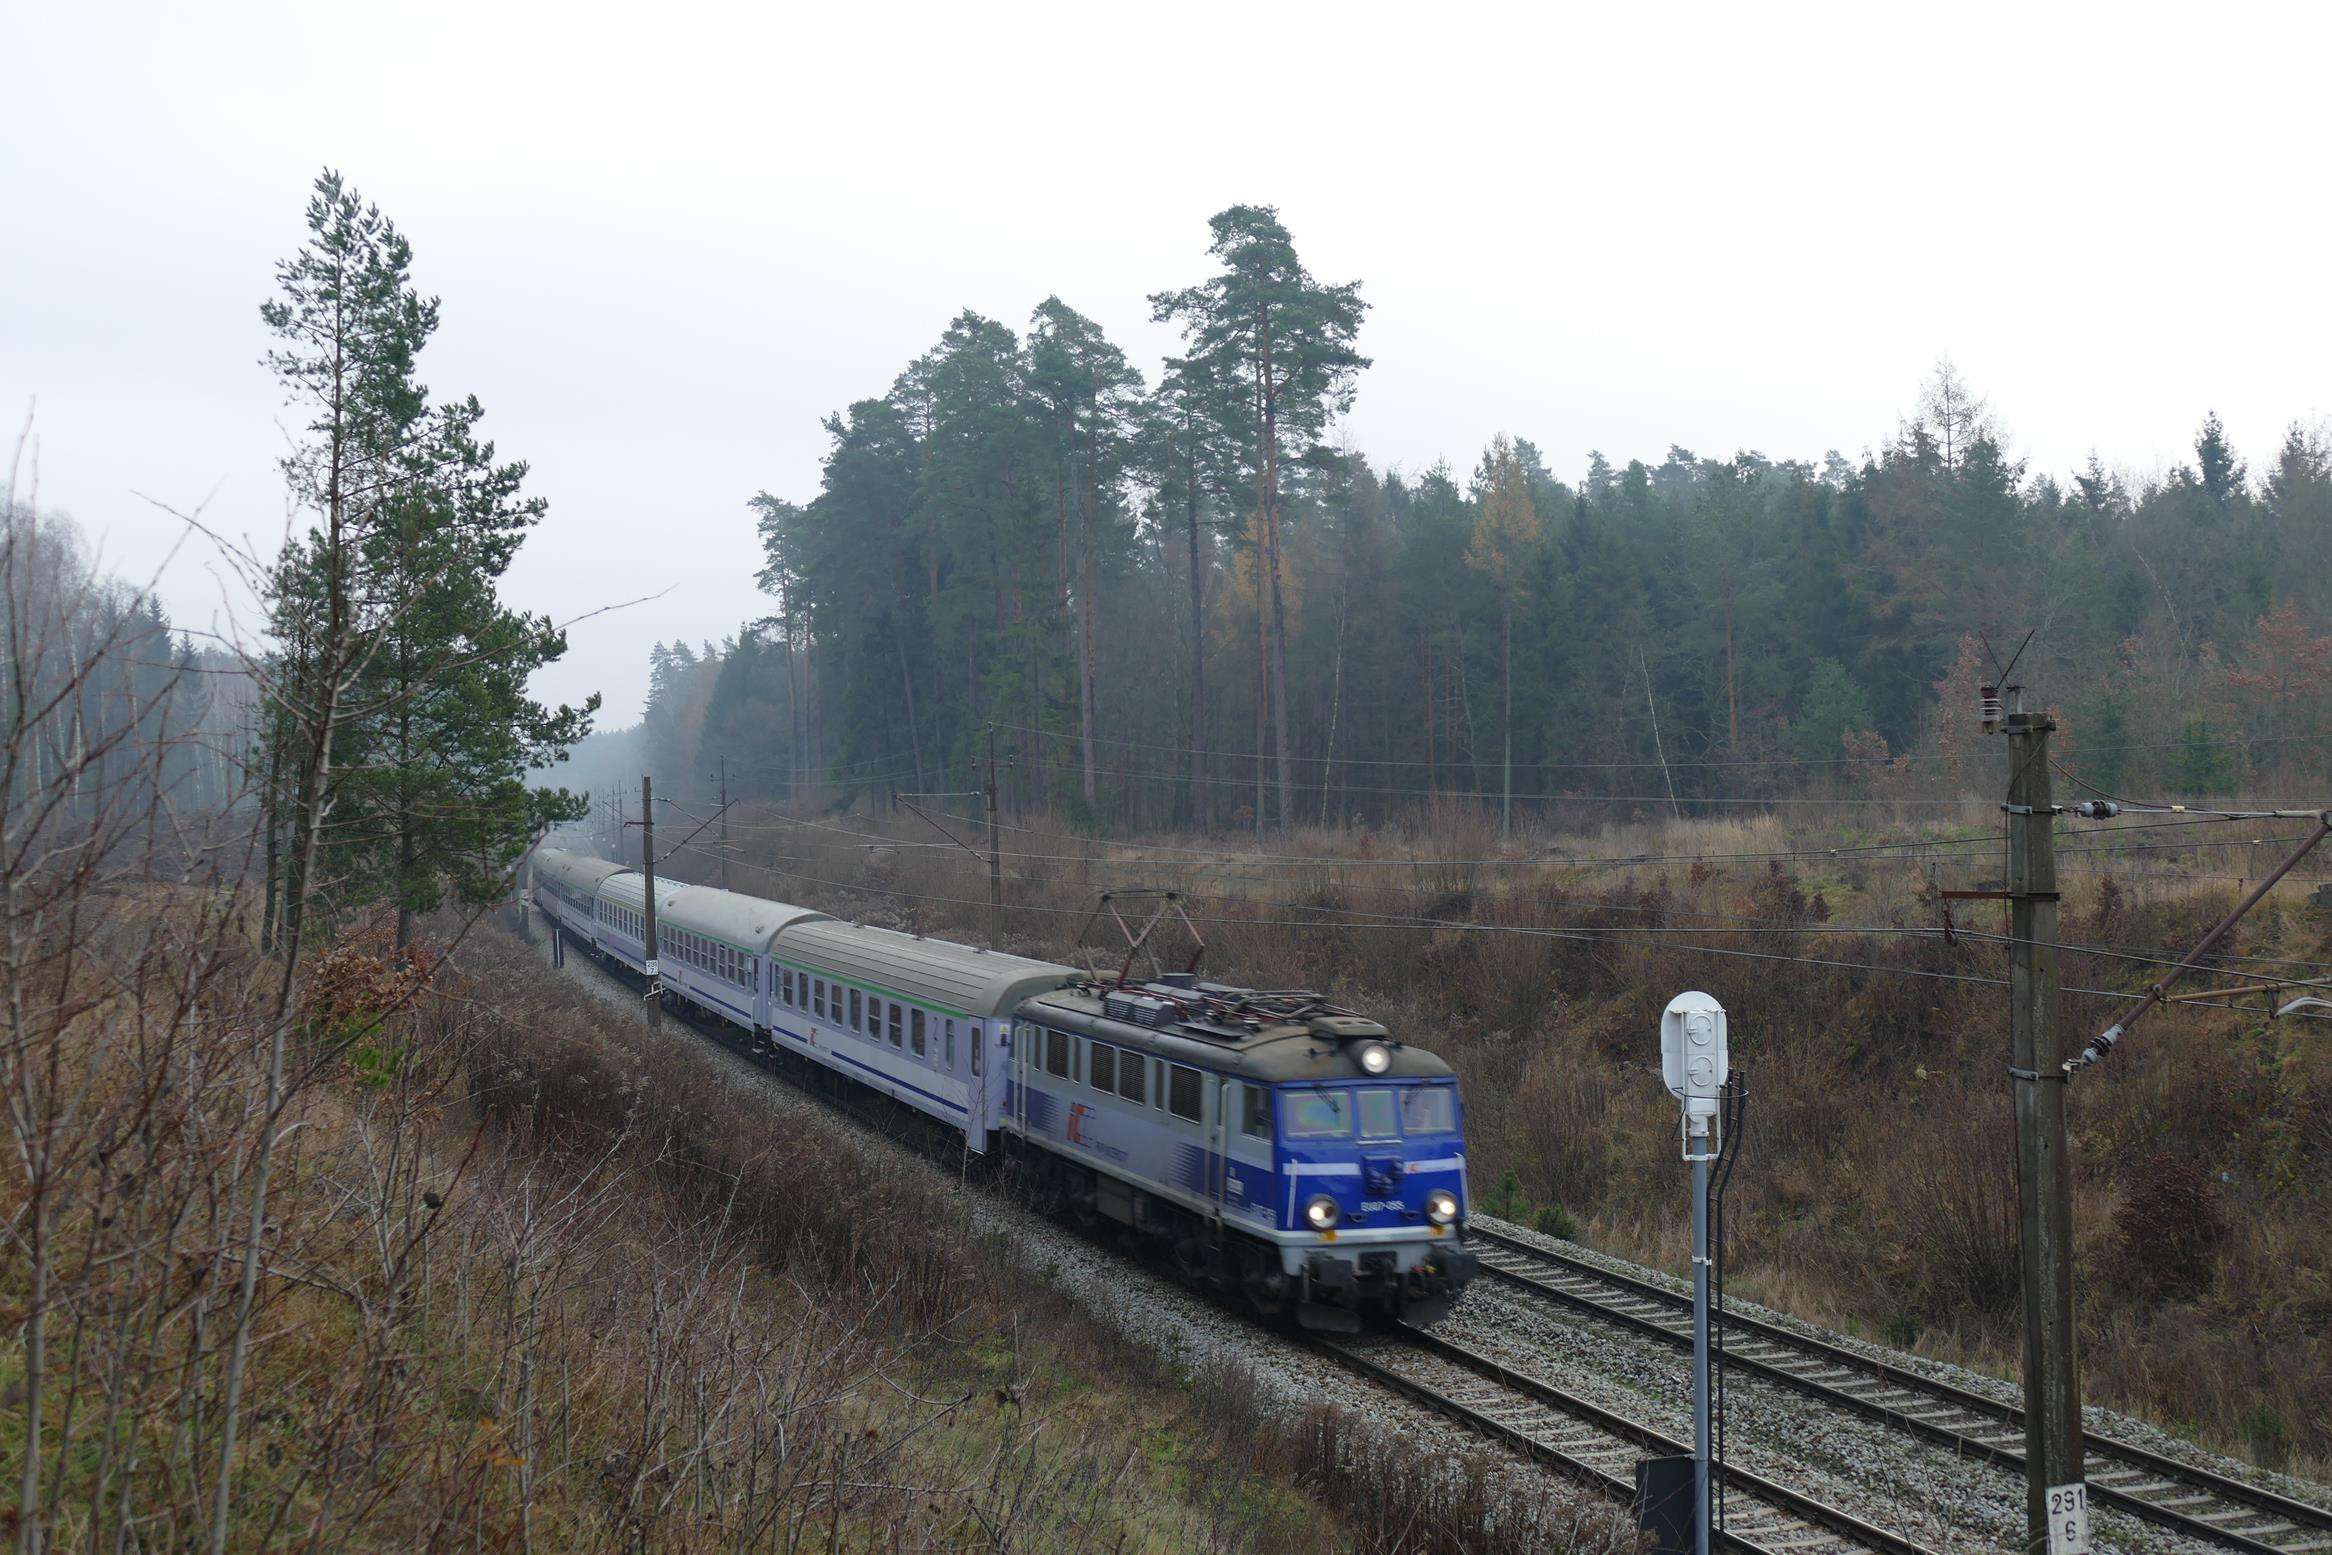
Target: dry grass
<point x="1876" y="1193"/>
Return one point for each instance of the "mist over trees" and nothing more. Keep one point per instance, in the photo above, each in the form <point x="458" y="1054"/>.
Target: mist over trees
<point x="110" y="710"/>
<point x="1185" y="601"/>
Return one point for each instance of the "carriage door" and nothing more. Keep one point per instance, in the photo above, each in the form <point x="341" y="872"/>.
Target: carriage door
<point x="1017" y="1046"/>
<point x="1219" y="1151"/>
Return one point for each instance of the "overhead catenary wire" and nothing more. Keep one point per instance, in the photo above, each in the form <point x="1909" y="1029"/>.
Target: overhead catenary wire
<point x="1537" y="860"/>
<point x="1588" y="934"/>
<point x="1733" y="763"/>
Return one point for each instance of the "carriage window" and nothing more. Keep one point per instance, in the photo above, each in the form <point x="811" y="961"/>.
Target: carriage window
<point x="1101" y="1068"/>
<point x="1317" y="1115"/>
<point x="1255" y="1112"/>
<point x="1184" y="1097"/>
<point x="951" y="1050"/>
<point x="1057" y="1053"/>
<point x="785" y="978"/>
<point x="1376" y="1115"/>
<point x="898" y="1024"/>
<point x="915" y="1030"/>
<point x="1428" y="1109"/>
<point x="1132" y="1082"/>
<point x="975" y="1043"/>
<point x="857" y="1010"/>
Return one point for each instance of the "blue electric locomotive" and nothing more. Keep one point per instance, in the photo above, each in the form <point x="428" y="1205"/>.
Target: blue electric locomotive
<point x="1286" y="1149"/>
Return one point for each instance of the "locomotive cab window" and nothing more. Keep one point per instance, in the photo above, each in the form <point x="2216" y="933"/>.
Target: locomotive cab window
<point x="1428" y="1109"/>
<point x="1101" y="1067"/>
<point x="1185" y="1097"/>
<point x="1377" y="1115"/>
<point x="1132" y="1077"/>
<point x="1316" y="1115"/>
<point x="1255" y="1112"/>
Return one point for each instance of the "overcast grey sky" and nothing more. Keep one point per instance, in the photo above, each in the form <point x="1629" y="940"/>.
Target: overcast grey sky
<point x="669" y="238"/>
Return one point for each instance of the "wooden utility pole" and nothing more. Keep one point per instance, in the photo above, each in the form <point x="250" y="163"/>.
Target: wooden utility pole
<point x="724" y="813"/>
<point x="648" y="873"/>
<point x="995" y="851"/>
<point x="2056" y="1500"/>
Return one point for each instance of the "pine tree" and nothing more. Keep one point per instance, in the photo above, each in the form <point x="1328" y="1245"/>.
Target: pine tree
<point x="1274" y="348"/>
<point x="1091" y="394"/>
<point x="1505" y="535"/>
<point x="401" y="693"/>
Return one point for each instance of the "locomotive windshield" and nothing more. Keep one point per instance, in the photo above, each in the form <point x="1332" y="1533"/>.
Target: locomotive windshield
<point x="1317" y="1115"/>
<point x="1324" y="1113"/>
<point x="1429" y="1109"/>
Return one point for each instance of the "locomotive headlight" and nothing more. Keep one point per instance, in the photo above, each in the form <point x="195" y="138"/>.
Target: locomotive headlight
<point x="1441" y="1206"/>
<point x="1321" y="1212"/>
<point x="1375" y="1057"/>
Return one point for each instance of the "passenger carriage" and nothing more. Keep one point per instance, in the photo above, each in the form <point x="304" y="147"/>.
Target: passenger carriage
<point x="920" y="1020"/>
<point x="566" y="887"/>
<point x="714" y="951"/>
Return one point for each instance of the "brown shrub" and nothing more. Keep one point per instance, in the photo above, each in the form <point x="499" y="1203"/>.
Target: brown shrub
<point x="2170" y="1227"/>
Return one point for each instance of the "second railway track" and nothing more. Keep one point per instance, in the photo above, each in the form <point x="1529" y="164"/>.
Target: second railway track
<point x="1590" y="1444"/>
<point x="2123" y="1476"/>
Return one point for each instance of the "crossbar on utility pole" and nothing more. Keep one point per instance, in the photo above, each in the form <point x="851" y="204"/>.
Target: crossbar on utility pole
<point x="648" y="873"/>
<point x="2056" y="1509"/>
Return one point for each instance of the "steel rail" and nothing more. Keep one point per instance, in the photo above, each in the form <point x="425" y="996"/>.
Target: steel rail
<point x="1797" y="1511"/>
<point x="2110" y="1457"/>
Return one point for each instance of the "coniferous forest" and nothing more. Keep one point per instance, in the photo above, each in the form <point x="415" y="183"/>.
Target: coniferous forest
<point x="1181" y="597"/>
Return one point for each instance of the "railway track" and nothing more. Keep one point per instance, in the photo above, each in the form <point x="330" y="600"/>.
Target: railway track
<point x="2123" y="1476"/>
<point x="1590" y="1444"/>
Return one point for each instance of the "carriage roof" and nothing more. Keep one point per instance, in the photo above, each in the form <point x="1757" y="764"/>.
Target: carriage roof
<point x="980" y="983"/>
<point x="575" y="871"/>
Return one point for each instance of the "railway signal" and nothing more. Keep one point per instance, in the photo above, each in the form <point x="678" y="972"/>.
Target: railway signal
<point x="1694" y="1061"/>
